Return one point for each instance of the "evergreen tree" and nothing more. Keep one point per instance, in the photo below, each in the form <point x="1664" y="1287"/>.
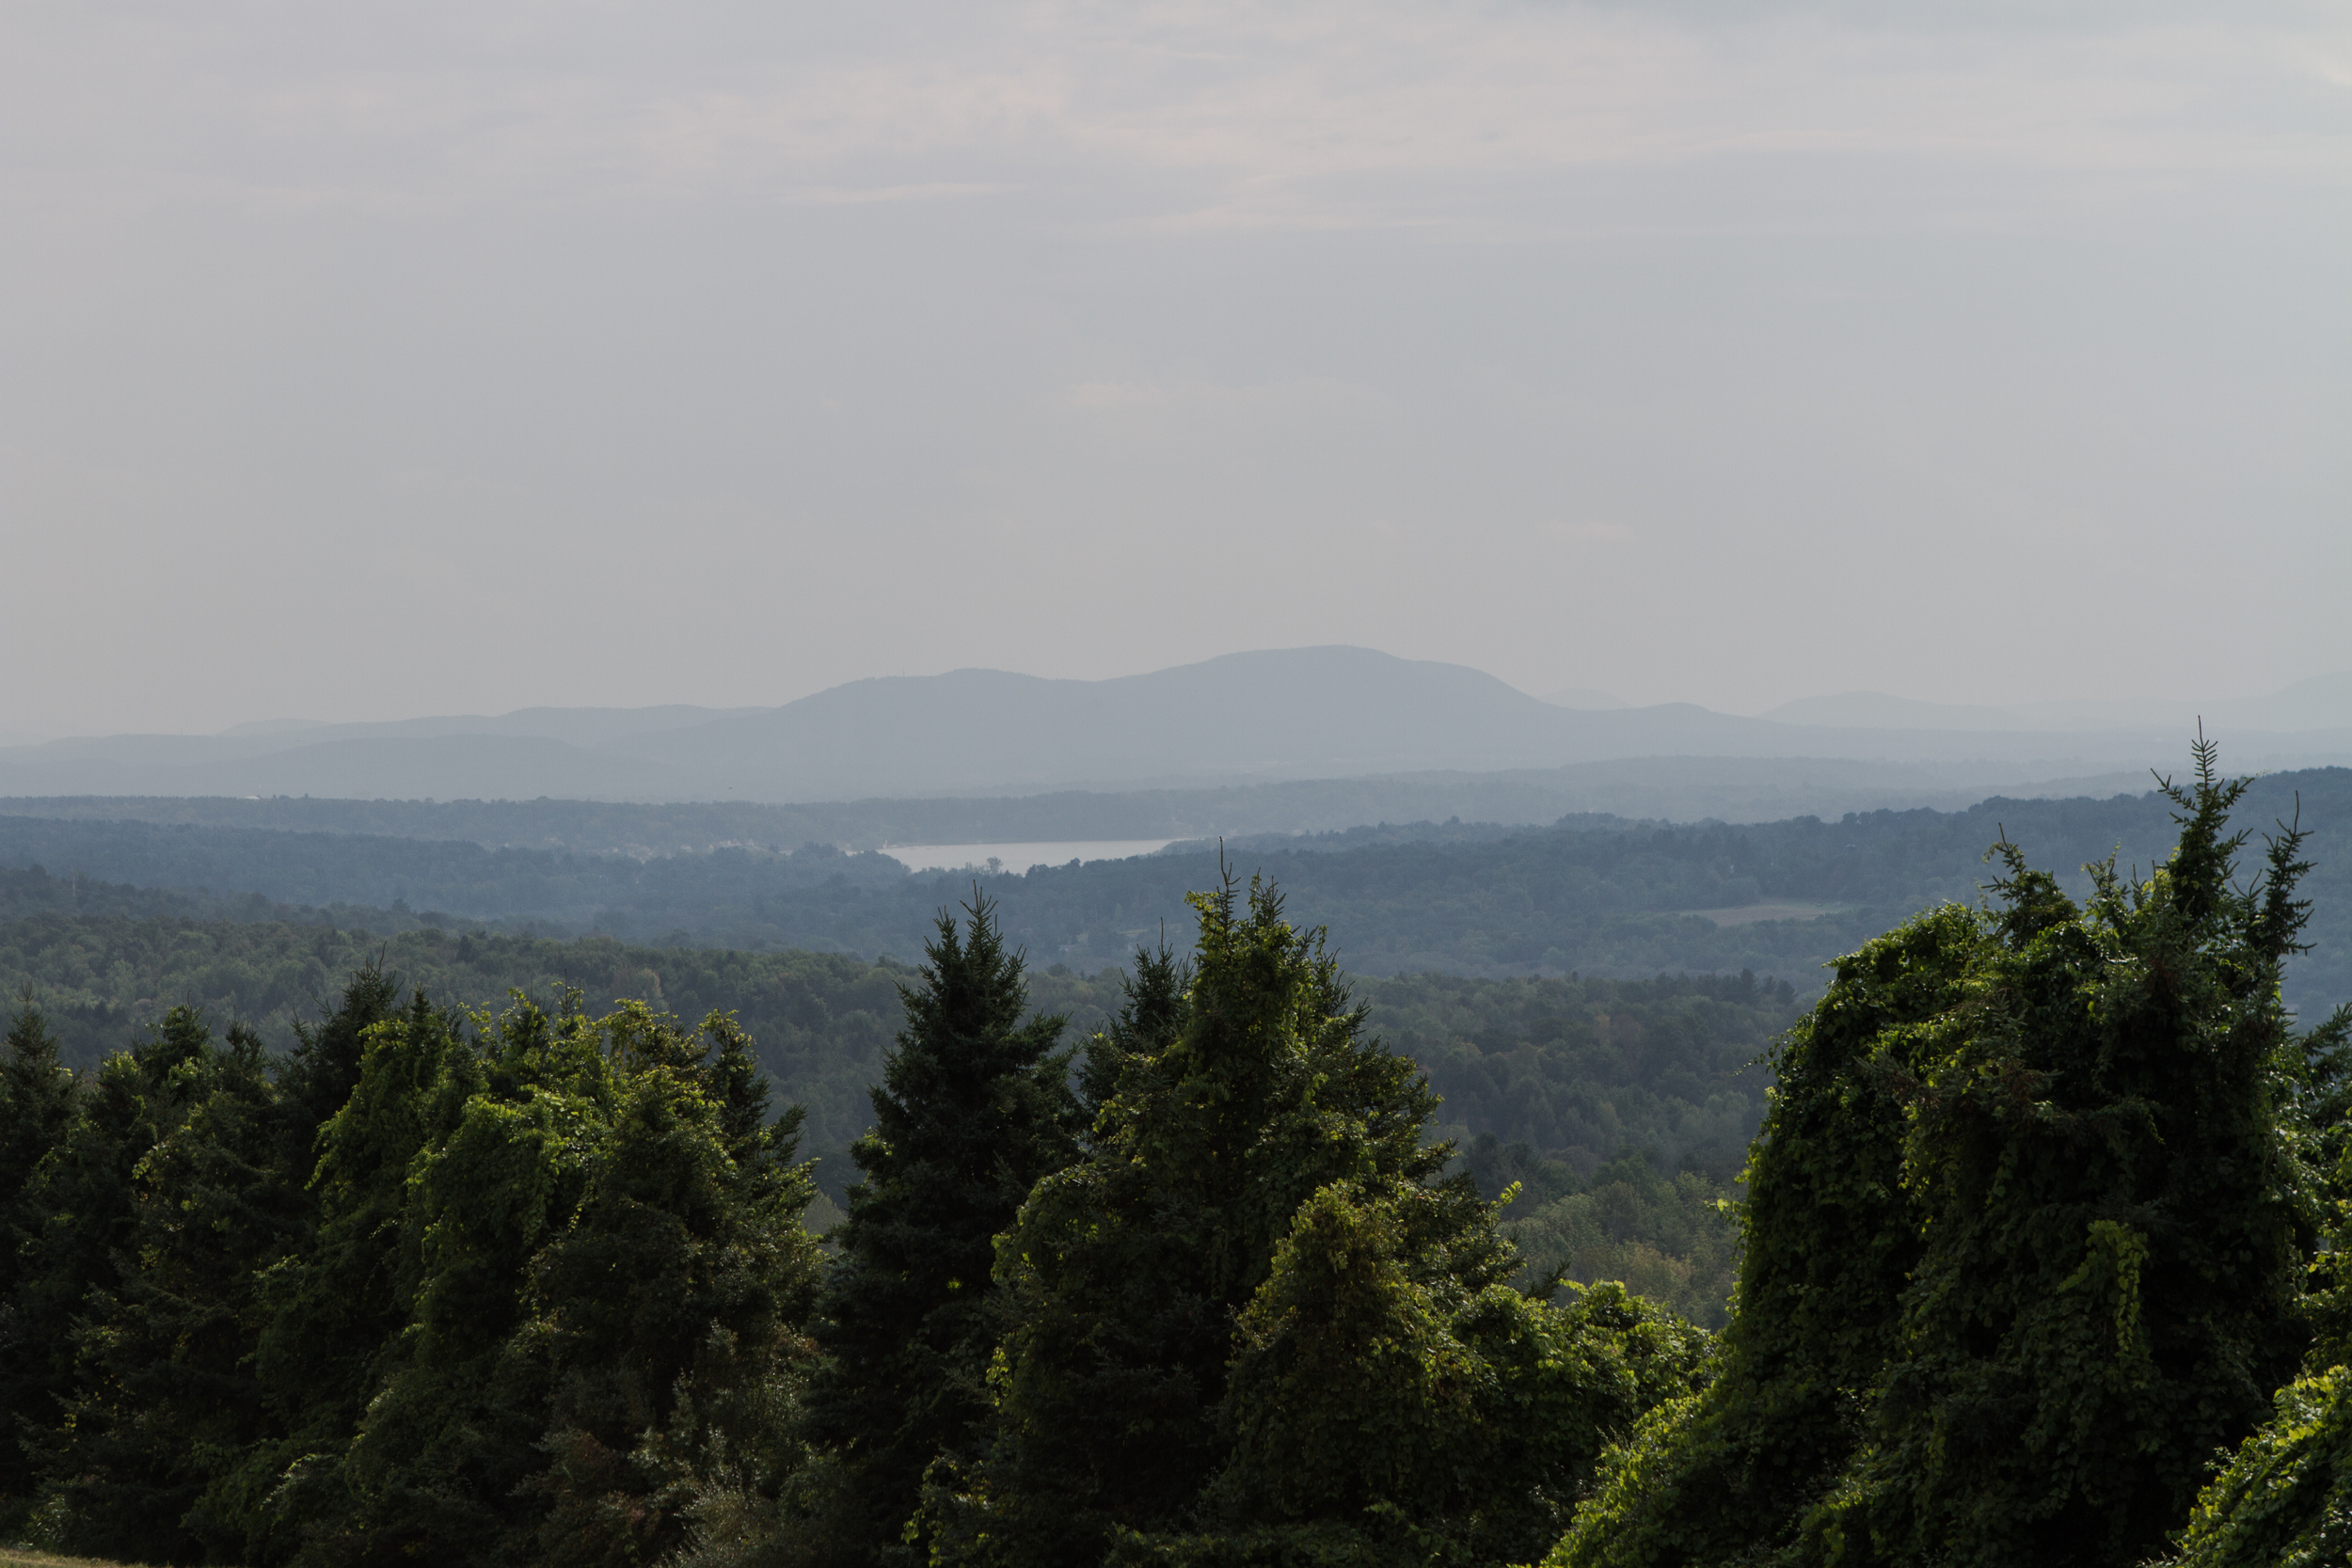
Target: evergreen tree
<point x="2026" y="1230"/>
<point x="591" y="1239"/>
<point x="2284" y="1499"/>
<point x="36" y="1105"/>
<point x="973" y="1107"/>
<point x="35" y="1101"/>
<point x="449" y="1434"/>
<point x="146" y="1242"/>
<point x="1123" y="1272"/>
<point x="523" y="1298"/>
<point x="671" y="1310"/>
<point x="1392" y="1399"/>
<point x="331" y="1311"/>
<point x="1152" y="1013"/>
<point x="76" y="1219"/>
<point x="166" y="1388"/>
<point x="318" y="1075"/>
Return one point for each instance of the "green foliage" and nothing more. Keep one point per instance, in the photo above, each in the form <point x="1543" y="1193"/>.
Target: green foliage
<point x="36" y="1105"/>
<point x="437" y="1361"/>
<point x="133" y="1283"/>
<point x="820" y="1021"/>
<point x="429" y="1286"/>
<point x="1585" y="1068"/>
<point x="1152" y="1012"/>
<point x="1578" y="1069"/>
<point x="1593" y="895"/>
<point x="2284" y="1500"/>
<point x="1828" y="1244"/>
<point x="1256" y="1323"/>
<point x="163" y="1388"/>
<point x="36" y="1101"/>
<point x="2024" y="1242"/>
<point x="2285" y="1497"/>
<point x="669" y="1313"/>
<point x="2052" y="1204"/>
<point x="332" y="1306"/>
<point x="1671" y="1239"/>
<point x="449" y="1435"/>
<point x="1123" y="1272"/>
<point x="603" y="1275"/>
<point x="975" y="1106"/>
<point x="1390" y="1400"/>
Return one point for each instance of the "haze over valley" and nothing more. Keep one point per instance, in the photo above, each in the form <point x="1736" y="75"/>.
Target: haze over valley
<point x="1296" y="713"/>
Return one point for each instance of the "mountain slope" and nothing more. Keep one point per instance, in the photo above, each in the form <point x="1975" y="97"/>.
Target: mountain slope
<point x="1288" y="713"/>
<point x="1273" y="714"/>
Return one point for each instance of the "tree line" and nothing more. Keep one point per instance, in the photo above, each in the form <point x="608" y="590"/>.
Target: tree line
<point x="1579" y="1070"/>
<point x="2049" y="1208"/>
<point x="1621" y="1107"/>
<point x="1589" y="895"/>
<point x="535" y="1288"/>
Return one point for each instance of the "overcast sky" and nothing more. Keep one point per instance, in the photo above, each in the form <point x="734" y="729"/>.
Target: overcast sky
<point x="364" y="362"/>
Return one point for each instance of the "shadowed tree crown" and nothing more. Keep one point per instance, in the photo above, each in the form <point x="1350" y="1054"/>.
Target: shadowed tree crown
<point x="2028" y="1233"/>
<point x="973" y="1107"/>
<point x="1248" y="1089"/>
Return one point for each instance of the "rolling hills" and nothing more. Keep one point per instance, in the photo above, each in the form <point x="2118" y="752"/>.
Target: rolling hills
<point x="1587" y="894"/>
<point x="1287" y="714"/>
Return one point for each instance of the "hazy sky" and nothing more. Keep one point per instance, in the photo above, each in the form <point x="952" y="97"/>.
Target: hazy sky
<point x="361" y="361"/>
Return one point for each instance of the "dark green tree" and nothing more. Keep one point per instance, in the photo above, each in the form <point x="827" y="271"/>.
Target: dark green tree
<point x="449" y="1440"/>
<point x="534" y="1289"/>
<point x="1123" y="1272"/>
<point x="2284" y="1499"/>
<point x="1392" y="1399"/>
<point x="671" y="1310"/>
<point x="331" y="1310"/>
<point x="161" y="1388"/>
<point x="35" y="1101"/>
<point x="317" y="1077"/>
<point x="75" y="1218"/>
<point x="1151" y="1015"/>
<point x="590" y="1234"/>
<point x="36" y="1105"/>
<point x="152" y="1244"/>
<point x="975" y="1106"/>
<point x="2028" y="1229"/>
<point x="1830" y="1240"/>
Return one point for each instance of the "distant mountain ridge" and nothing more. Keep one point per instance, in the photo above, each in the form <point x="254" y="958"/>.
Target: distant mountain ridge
<point x="1247" y="718"/>
<point x="2316" y="702"/>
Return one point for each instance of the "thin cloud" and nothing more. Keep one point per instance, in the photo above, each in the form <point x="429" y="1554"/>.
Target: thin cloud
<point x="1274" y="106"/>
<point x="717" y="352"/>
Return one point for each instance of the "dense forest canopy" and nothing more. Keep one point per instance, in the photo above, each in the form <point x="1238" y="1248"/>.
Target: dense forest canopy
<point x="1559" y="1075"/>
<point x="1591" y="896"/>
<point x="1217" y="1258"/>
<point x="536" y="1287"/>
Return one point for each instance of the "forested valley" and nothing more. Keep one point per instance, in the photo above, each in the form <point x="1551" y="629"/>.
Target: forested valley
<point x="1554" y="1076"/>
<point x="1588" y="895"/>
<point x="348" y="1231"/>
